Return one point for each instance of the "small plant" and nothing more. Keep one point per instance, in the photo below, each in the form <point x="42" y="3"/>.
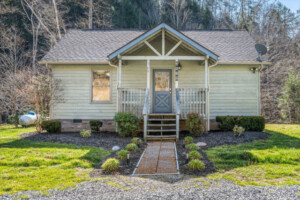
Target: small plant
<point x="85" y="133"/>
<point x="136" y="140"/>
<point x="96" y="125"/>
<point x="196" y="165"/>
<point x="191" y="147"/>
<point x="51" y="126"/>
<point x="188" y="140"/>
<point x="238" y="130"/>
<point x="122" y="155"/>
<point x="131" y="147"/>
<point x="127" y="124"/>
<point x="110" y="165"/>
<point x="194" y="155"/>
<point x="195" y="124"/>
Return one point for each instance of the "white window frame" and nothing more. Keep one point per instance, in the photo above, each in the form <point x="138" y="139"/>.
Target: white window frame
<point x="110" y="89"/>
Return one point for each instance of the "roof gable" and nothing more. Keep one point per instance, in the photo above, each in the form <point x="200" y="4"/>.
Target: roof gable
<point x="153" y="31"/>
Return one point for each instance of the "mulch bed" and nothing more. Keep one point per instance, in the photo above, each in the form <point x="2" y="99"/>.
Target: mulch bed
<point x="212" y="139"/>
<point x="103" y="139"/>
<point x="126" y="168"/>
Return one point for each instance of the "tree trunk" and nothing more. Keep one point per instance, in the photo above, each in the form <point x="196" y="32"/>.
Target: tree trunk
<point x="90" y="14"/>
<point x="56" y="18"/>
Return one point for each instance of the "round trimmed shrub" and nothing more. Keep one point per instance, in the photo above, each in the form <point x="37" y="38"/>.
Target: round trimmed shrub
<point x="131" y="147"/>
<point x="196" y="165"/>
<point x="95" y="125"/>
<point x="51" y="126"/>
<point x="191" y="147"/>
<point x="194" y="155"/>
<point x="110" y="165"/>
<point x="122" y="155"/>
<point x="136" y="140"/>
<point x="127" y="124"/>
<point x="188" y="140"/>
<point x="85" y="133"/>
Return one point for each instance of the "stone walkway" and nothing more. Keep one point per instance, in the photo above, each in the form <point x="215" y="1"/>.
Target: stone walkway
<point x="158" y="158"/>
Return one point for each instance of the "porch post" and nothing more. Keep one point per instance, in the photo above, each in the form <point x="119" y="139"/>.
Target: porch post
<point x="119" y="84"/>
<point x="148" y="74"/>
<point x="176" y="88"/>
<point x="207" y="94"/>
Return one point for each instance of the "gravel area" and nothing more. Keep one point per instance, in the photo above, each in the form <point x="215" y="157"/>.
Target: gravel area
<point x="146" y="188"/>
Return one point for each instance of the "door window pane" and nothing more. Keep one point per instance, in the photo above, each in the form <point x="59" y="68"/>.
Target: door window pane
<point x="162" y="81"/>
<point x="101" y="86"/>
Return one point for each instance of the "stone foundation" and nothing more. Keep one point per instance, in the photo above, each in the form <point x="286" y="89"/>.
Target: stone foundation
<point x="68" y="125"/>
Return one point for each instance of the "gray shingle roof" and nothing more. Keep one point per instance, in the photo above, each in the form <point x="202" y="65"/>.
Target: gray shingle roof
<point x="96" y="45"/>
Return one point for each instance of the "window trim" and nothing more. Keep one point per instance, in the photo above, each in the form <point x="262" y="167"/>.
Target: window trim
<point x="110" y="89"/>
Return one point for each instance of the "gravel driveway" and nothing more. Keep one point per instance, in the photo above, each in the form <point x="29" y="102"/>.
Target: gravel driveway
<point x="146" y="188"/>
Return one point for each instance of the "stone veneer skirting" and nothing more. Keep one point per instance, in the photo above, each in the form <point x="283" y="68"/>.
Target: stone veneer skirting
<point x="67" y="125"/>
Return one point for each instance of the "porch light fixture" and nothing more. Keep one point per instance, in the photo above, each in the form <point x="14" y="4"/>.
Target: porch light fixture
<point x="179" y="66"/>
<point x="253" y="69"/>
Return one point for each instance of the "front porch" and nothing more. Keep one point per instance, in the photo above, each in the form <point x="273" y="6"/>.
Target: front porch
<point x="163" y="76"/>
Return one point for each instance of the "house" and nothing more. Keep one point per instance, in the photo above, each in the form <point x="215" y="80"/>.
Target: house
<point x="160" y="75"/>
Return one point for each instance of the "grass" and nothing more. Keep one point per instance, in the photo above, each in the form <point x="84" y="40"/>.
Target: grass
<point x="275" y="161"/>
<point x="27" y="165"/>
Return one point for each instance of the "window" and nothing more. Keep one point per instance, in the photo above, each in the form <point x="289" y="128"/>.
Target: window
<point x="101" y="86"/>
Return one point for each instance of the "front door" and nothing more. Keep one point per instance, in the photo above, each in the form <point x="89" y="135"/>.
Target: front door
<point x="162" y="90"/>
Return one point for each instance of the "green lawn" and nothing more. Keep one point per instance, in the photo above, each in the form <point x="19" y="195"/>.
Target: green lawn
<point x="275" y="161"/>
<point x="27" y="165"/>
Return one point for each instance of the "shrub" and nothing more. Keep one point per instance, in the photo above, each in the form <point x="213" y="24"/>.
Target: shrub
<point x="131" y="147"/>
<point x="250" y="123"/>
<point x="195" y="124"/>
<point x="194" y="155"/>
<point x="136" y="140"/>
<point x="188" y="140"/>
<point x="238" y="130"/>
<point x="95" y="125"/>
<point x="122" y="155"/>
<point x="85" y="133"/>
<point x="51" y="126"/>
<point x="196" y="165"/>
<point x="127" y="124"/>
<point x="14" y="119"/>
<point x="191" y="147"/>
<point x="110" y="164"/>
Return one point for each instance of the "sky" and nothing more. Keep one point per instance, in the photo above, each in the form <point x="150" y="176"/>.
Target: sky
<point x="294" y="5"/>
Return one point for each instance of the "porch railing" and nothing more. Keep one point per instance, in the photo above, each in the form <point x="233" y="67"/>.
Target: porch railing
<point x="192" y="100"/>
<point x="132" y="100"/>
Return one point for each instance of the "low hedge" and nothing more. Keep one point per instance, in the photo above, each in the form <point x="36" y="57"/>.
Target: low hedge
<point x="250" y="123"/>
<point x="51" y="126"/>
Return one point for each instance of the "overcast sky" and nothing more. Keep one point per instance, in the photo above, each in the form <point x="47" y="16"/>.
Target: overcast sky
<point x="294" y="5"/>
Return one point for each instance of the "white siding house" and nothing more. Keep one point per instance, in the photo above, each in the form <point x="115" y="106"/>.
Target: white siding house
<point x="160" y="72"/>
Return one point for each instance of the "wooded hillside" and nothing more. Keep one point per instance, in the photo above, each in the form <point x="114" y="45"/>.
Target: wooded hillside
<point x="29" y="28"/>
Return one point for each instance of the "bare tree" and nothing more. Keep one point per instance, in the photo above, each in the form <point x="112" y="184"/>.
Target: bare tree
<point x="180" y="13"/>
<point x="90" y="14"/>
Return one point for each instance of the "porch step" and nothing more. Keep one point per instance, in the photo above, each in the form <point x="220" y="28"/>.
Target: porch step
<point x="161" y="130"/>
<point x="162" y="114"/>
<point x="161" y="137"/>
<point x="160" y="125"/>
<point x="161" y="119"/>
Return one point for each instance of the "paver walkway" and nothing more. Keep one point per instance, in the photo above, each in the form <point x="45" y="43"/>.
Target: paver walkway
<point x="158" y="158"/>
